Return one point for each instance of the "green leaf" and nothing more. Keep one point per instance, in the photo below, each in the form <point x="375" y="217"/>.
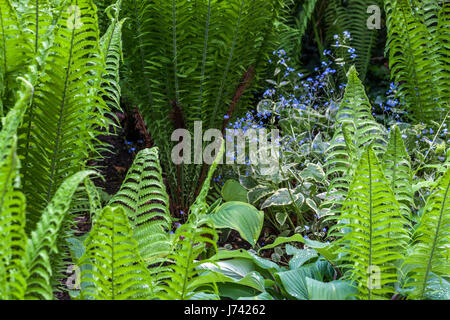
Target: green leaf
<point x="334" y="290"/>
<point x="242" y="217"/>
<point x="327" y="250"/>
<point x="257" y="193"/>
<point x="313" y="172"/>
<point x="233" y="191"/>
<point x="300" y="256"/>
<point x="281" y="217"/>
<point x="282" y="198"/>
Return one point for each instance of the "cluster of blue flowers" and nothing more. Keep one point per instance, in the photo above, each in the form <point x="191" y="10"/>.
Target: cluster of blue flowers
<point x="341" y="42"/>
<point x="305" y="91"/>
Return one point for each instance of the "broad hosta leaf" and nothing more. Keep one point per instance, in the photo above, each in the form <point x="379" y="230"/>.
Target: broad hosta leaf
<point x="233" y="191"/>
<point x="300" y="256"/>
<point x="334" y="290"/>
<point x="240" y="216"/>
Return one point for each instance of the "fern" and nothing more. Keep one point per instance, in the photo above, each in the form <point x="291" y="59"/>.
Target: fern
<point x="432" y="235"/>
<point x="111" y="49"/>
<point x="352" y="17"/>
<point x="191" y="57"/>
<point x="117" y="271"/>
<point x="356" y="128"/>
<point x="143" y="198"/>
<point x="293" y="30"/>
<point x="376" y="233"/>
<point x="191" y="240"/>
<point x="59" y="126"/>
<point x="397" y="168"/>
<point x="414" y="61"/>
<point x="45" y="239"/>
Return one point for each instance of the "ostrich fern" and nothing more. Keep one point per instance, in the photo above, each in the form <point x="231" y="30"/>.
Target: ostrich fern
<point x="377" y="235"/>
<point x="431" y="238"/>
<point x="356" y="128"/>
<point x="187" y="59"/>
<point x="418" y="56"/>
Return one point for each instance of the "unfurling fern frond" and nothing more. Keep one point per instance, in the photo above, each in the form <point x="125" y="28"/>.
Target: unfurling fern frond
<point x="113" y="268"/>
<point x="374" y="232"/>
<point x="144" y="199"/>
<point x="45" y="239"/>
<point x="430" y="250"/>
<point x="397" y="168"/>
<point x="356" y="128"/>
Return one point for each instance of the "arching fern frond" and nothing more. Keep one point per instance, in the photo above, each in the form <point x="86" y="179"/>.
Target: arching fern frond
<point x="60" y="129"/>
<point x="190" y="240"/>
<point x="352" y="16"/>
<point x="397" y="168"/>
<point x="111" y="49"/>
<point x="356" y="128"/>
<point x="44" y="240"/>
<point x="374" y="230"/>
<point x="414" y="61"/>
<point x="432" y="238"/>
<point x="115" y="270"/>
<point x="12" y="204"/>
<point x="144" y="199"/>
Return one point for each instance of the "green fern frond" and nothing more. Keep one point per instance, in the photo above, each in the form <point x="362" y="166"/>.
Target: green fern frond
<point x="432" y="237"/>
<point x="373" y="230"/>
<point x="12" y="225"/>
<point x="191" y="239"/>
<point x="443" y="30"/>
<point x="111" y="49"/>
<point x="397" y="168"/>
<point x="352" y="16"/>
<point x="293" y="30"/>
<point x="59" y="127"/>
<point x="144" y="199"/>
<point x="44" y="240"/>
<point x="113" y="268"/>
<point x="15" y="52"/>
<point x="356" y="128"/>
<point x="414" y="61"/>
<point x="191" y="57"/>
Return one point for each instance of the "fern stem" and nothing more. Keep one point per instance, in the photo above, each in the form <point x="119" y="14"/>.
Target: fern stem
<point x="205" y="49"/>
<point x="370" y="220"/>
<point x="175" y="58"/>
<point x="37" y="27"/>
